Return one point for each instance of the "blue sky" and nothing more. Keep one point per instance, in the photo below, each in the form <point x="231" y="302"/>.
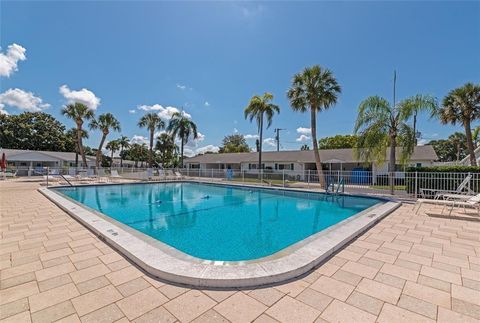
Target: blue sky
<point x="211" y="57"/>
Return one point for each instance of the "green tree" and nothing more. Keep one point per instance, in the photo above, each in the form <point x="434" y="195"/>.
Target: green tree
<point x="182" y="127"/>
<point x="476" y="136"/>
<point x="234" y="144"/>
<point x="337" y="142"/>
<point x="462" y="105"/>
<point x="380" y="125"/>
<point x="113" y="146"/>
<point x="452" y="149"/>
<point x="314" y="89"/>
<point x="152" y="122"/>
<point x="71" y="143"/>
<point x="105" y="123"/>
<point x="258" y="107"/>
<point x="305" y="147"/>
<point x="33" y="131"/>
<point x="124" y="143"/>
<point x="78" y="112"/>
<point x="166" y="148"/>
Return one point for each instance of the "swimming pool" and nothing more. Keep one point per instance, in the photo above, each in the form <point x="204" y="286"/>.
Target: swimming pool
<point x="219" y="222"/>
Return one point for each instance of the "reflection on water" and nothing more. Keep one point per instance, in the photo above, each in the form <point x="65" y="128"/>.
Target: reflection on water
<point x="220" y="222"/>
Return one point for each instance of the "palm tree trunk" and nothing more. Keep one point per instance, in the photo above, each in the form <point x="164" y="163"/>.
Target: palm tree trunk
<point x="391" y="163"/>
<point x="471" y="149"/>
<point x="181" y="154"/>
<point x="260" y="146"/>
<point x="98" y="158"/>
<point x="415" y="128"/>
<point x="80" y="144"/>
<point x="316" y="152"/>
<point x="121" y="158"/>
<point x="150" y="153"/>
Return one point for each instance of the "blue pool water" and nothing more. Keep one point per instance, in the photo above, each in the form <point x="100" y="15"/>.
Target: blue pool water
<point x="217" y="222"/>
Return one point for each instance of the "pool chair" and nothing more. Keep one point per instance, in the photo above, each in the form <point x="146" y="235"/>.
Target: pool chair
<point x="102" y="177"/>
<point x="178" y="175"/>
<point x="53" y="176"/>
<point x="464" y="187"/>
<point x="459" y="201"/>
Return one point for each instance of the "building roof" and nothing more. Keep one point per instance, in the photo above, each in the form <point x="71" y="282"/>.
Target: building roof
<point x="39" y="155"/>
<point x="302" y="156"/>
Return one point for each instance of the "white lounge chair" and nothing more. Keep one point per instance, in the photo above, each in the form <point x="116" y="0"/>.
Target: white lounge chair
<point x="473" y="201"/>
<point x="465" y="184"/>
<point x="178" y="175"/>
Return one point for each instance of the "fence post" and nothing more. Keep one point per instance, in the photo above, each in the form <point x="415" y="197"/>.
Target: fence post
<point x="283" y="177"/>
<point x="416" y="184"/>
<point x="48" y="172"/>
<point x="308" y="178"/>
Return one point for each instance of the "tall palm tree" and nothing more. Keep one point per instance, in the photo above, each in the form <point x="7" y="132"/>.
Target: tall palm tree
<point x="124" y="143"/>
<point x="380" y="125"/>
<point x="258" y="107"/>
<point x="113" y="146"/>
<point x="314" y="89"/>
<point x="105" y="123"/>
<point x="418" y="108"/>
<point x="72" y="135"/>
<point x="462" y="105"/>
<point x="79" y="112"/>
<point x="182" y="127"/>
<point x="152" y="122"/>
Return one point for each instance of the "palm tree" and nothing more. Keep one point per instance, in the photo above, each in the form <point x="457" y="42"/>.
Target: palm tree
<point x="166" y="147"/>
<point x="417" y="108"/>
<point x="476" y="136"/>
<point x="256" y="109"/>
<point x="105" y="122"/>
<point x="182" y="127"/>
<point x="304" y="147"/>
<point x="380" y="125"/>
<point x="314" y="89"/>
<point x="72" y="135"/>
<point x="78" y="112"/>
<point x="462" y="105"/>
<point x="113" y="146"/>
<point x="152" y="122"/>
<point x="124" y="143"/>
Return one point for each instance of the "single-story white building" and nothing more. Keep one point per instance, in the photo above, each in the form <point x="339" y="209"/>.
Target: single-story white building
<point x="30" y="162"/>
<point x="304" y="160"/>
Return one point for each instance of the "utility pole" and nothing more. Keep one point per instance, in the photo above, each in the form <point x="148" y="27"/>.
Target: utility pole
<point x="277" y="137"/>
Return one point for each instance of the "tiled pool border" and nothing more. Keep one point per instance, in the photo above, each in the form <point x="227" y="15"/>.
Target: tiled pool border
<point x="165" y="262"/>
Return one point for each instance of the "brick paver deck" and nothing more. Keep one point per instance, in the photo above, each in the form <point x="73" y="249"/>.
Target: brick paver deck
<point x="405" y="269"/>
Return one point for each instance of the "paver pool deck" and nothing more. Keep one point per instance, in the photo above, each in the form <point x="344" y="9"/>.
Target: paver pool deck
<point x="407" y="268"/>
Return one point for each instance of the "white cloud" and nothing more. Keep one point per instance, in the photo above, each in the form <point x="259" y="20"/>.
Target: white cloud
<point x="251" y="137"/>
<point x="208" y="148"/>
<point x="132" y="111"/>
<point x="3" y="111"/>
<point x="137" y="139"/>
<point x="9" y="60"/>
<point x="270" y="142"/>
<point x="84" y="96"/>
<point x="422" y="142"/>
<point x="303" y="138"/>
<point x="164" y="113"/>
<point x="251" y="10"/>
<point x="235" y="130"/>
<point x="22" y="100"/>
<point x="200" y="137"/>
<point x="304" y="131"/>
<point x="188" y="152"/>
<point x="181" y="86"/>
<point x="207" y="104"/>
